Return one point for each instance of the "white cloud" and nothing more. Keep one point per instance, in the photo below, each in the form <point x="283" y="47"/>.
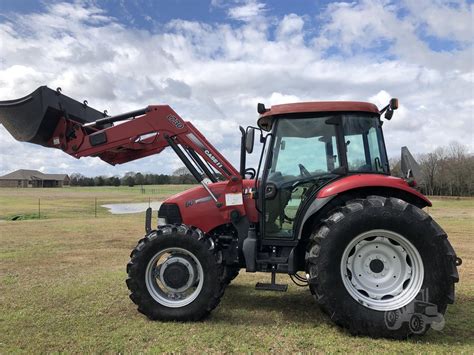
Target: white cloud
<point x="214" y="74"/>
<point x="290" y="29"/>
<point x="451" y="20"/>
<point x="248" y="11"/>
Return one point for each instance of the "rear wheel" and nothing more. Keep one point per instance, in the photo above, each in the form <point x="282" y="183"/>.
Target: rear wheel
<point x="382" y="270"/>
<point x="175" y="273"/>
<point x="376" y="256"/>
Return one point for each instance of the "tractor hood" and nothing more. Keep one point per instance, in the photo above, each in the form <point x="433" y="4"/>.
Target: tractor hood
<point x="195" y="203"/>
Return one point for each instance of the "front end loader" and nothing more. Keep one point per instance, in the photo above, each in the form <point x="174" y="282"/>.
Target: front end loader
<point x="321" y="203"/>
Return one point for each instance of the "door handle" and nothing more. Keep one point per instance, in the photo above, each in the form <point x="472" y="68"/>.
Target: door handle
<point x="270" y="191"/>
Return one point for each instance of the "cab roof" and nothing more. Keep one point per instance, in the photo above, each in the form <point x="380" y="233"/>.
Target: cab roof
<point x="309" y="107"/>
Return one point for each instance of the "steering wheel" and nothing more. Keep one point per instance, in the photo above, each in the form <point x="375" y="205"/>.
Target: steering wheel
<point x="303" y="170"/>
<point x="251" y="172"/>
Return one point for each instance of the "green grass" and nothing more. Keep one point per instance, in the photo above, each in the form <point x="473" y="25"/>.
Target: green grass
<point x="74" y="202"/>
<point x="62" y="289"/>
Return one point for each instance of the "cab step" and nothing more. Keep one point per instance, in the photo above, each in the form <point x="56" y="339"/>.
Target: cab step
<point x="273" y="260"/>
<point x="273" y="286"/>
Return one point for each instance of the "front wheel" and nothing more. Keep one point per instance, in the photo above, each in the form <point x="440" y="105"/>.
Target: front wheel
<point x="373" y="259"/>
<point x="175" y="273"/>
<point x="230" y="273"/>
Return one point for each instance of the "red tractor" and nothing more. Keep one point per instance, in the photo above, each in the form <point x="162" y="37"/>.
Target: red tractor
<point x="321" y="202"/>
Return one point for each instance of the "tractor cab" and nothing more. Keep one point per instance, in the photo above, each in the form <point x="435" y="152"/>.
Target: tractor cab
<point x="307" y="146"/>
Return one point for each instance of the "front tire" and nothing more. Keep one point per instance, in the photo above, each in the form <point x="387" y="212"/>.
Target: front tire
<point x="175" y="273"/>
<point x="230" y="273"/>
<point x="357" y="243"/>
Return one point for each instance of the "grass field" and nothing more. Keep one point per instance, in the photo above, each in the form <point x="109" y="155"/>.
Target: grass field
<point x="62" y="287"/>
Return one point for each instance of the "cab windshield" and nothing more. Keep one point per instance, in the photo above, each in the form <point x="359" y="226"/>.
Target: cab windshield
<point x="306" y="147"/>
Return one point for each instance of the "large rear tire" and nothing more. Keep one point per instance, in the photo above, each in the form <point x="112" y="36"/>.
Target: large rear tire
<point x="175" y="273"/>
<point x="379" y="255"/>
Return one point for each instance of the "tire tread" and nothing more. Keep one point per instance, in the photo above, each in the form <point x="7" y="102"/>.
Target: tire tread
<point x="321" y="232"/>
<point x="137" y="293"/>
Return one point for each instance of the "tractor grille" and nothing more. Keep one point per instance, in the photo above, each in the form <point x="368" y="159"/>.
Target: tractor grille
<point x="170" y="212"/>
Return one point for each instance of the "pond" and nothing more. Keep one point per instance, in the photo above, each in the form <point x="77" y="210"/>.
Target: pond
<point x="123" y="208"/>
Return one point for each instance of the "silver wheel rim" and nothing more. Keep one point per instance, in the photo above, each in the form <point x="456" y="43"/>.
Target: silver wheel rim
<point x="156" y="282"/>
<point x="382" y="270"/>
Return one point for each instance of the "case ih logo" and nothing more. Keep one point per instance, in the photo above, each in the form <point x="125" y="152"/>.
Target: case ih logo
<point x="175" y="122"/>
<point x="213" y="158"/>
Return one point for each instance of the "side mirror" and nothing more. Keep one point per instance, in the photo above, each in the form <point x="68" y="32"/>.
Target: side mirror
<point x="388" y="114"/>
<point x="249" y="139"/>
<point x="392" y="106"/>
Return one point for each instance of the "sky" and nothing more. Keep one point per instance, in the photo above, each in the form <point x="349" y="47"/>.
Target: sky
<point x="213" y="61"/>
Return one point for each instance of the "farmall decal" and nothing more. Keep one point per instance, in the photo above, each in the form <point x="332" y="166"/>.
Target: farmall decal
<point x="175" y="121"/>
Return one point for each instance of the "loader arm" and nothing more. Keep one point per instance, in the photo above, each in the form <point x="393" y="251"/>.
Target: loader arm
<point x="117" y="139"/>
<point x="138" y="137"/>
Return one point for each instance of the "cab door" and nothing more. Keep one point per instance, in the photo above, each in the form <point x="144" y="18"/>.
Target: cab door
<point x="302" y="149"/>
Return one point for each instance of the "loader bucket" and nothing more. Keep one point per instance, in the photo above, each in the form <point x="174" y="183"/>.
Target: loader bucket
<point x="33" y="118"/>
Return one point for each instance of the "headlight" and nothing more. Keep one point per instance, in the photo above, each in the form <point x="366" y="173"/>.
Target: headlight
<point x="161" y="221"/>
<point x="169" y="214"/>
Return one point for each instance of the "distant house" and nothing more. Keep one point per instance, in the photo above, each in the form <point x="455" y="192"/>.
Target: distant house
<point x="33" y="178"/>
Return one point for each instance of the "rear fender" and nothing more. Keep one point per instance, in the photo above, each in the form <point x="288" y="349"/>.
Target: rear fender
<point x="374" y="182"/>
<point x="340" y="191"/>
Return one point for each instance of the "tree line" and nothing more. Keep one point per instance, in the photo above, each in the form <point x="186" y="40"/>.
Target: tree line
<point x="447" y="171"/>
<point x="132" y="179"/>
